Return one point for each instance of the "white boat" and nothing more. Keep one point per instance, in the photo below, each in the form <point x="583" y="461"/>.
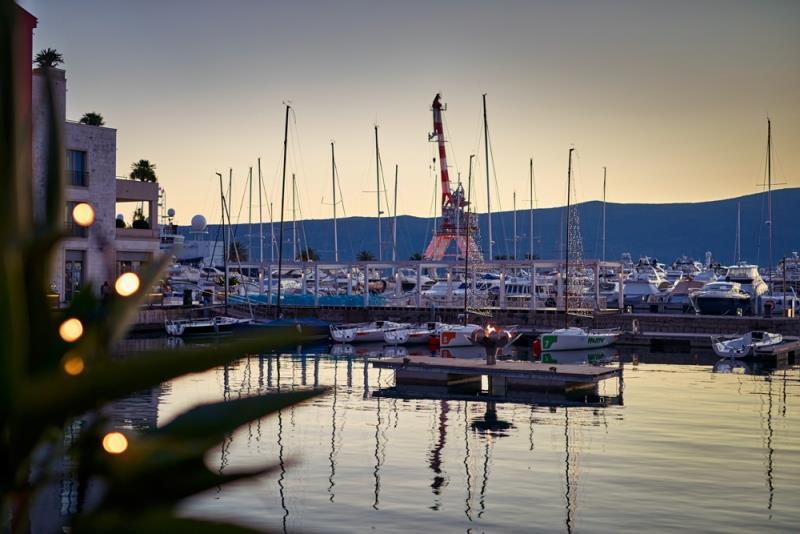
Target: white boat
<point x="575" y="338"/>
<point x="363" y="333"/>
<point x="580" y="357"/>
<point x="746" y="345"/>
<point x="413" y="335"/>
<point x="203" y="327"/>
<point x="458" y="335"/>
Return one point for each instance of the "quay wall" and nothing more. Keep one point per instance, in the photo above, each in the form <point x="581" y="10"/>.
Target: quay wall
<point x="543" y="320"/>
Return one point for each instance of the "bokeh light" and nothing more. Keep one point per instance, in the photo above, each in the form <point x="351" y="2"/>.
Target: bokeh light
<point x="70" y="330"/>
<point x="73" y="364"/>
<point x="83" y="214"/>
<point x="127" y="284"/>
<point x="115" y="442"/>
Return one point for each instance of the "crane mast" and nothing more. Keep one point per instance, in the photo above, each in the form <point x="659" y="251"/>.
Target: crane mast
<point x="453" y="225"/>
<point x="438" y="135"/>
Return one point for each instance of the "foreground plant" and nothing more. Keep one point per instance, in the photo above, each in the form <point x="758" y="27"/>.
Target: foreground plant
<point x="57" y="366"/>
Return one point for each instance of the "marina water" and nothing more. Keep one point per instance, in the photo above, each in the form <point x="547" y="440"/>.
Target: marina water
<point x="688" y="448"/>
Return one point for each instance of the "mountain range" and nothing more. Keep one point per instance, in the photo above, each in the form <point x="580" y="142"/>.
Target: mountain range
<point x="663" y="231"/>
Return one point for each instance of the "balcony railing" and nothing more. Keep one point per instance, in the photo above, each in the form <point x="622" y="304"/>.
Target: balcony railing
<point x="78" y="178"/>
<point x="74" y="230"/>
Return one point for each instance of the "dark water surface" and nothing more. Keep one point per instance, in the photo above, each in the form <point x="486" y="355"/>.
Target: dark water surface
<point x="689" y="448"/>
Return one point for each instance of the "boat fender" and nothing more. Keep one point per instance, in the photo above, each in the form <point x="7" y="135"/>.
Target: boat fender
<point x="635" y="327"/>
<point x="536" y="347"/>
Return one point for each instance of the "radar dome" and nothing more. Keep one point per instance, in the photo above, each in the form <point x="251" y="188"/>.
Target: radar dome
<point x="171" y="212"/>
<point x="199" y="223"/>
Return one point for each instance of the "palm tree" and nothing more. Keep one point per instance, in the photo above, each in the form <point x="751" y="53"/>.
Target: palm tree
<point x="365" y="255"/>
<point x="143" y="170"/>
<point x="48" y="58"/>
<point x="415" y="257"/>
<point x="309" y="254"/>
<point x="92" y="119"/>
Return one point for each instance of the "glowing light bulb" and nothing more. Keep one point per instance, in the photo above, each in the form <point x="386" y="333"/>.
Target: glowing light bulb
<point x="127" y="284"/>
<point x="73" y="364"/>
<point x="115" y="443"/>
<point x="83" y="214"/>
<point x="70" y="330"/>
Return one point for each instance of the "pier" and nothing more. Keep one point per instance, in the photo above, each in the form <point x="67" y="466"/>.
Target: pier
<point x="504" y="375"/>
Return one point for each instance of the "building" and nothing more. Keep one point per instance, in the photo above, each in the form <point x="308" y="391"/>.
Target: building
<point x="101" y="252"/>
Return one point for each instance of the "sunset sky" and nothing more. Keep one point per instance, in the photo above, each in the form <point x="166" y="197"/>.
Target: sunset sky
<point x="671" y="96"/>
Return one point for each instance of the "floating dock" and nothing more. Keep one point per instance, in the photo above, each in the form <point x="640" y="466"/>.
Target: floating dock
<point x="503" y="375"/>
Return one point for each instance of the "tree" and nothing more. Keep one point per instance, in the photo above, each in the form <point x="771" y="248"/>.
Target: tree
<point x="415" y="257"/>
<point x="61" y="374"/>
<point x="48" y="58"/>
<point x="138" y="220"/>
<point x="92" y="119"/>
<point x="237" y="251"/>
<point x="308" y="254"/>
<point x="143" y="170"/>
<point x="365" y="255"/>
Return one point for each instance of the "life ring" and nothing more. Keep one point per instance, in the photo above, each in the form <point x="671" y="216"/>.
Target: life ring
<point x="769" y="305"/>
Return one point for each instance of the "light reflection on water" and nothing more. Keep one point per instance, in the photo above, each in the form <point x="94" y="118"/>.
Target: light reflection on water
<point x="690" y="448"/>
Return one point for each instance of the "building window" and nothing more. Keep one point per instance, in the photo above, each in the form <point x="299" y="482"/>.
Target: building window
<point x="73" y="229"/>
<point x="131" y="261"/>
<point x="74" y="262"/>
<point x="76" y="168"/>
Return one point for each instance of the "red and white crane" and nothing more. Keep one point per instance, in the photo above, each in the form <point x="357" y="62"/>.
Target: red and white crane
<point x="456" y="224"/>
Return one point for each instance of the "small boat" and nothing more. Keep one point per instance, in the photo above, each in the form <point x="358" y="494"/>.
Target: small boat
<point x="744" y="346"/>
<point x="458" y="335"/>
<point x="576" y="338"/>
<point x="364" y="332"/>
<point x="212" y="326"/>
<point x="413" y="335"/>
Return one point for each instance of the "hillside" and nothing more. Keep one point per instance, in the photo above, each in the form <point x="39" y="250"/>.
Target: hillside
<point x="665" y="231"/>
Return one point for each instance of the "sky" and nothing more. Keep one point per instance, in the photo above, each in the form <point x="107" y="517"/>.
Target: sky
<point x="671" y="96"/>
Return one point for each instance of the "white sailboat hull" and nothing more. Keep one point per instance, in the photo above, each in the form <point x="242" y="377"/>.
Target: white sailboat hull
<point x="577" y="339"/>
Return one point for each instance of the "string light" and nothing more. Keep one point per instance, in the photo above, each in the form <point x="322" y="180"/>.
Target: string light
<point x="70" y="330"/>
<point x="127" y="284"/>
<point x="83" y="214"/>
<point x="115" y="443"/>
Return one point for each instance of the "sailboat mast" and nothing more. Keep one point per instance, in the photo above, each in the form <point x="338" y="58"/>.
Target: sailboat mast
<point x="283" y="196"/>
<point x="769" y="196"/>
<point x="565" y="283"/>
<point x="394" y="213"/>
<point x="335" y="230"/>
<point x="378" y="192"/>
<point x="466" y="245"/>
<point x="530" y="216"/>
<point x="250" y="213"/>
<point x="604" y="215"/>
<point x="224" y="238"/>
<point x="514" y="240"/>
<point x="260" y="217"/>
<point x="294" y="219"/>
<point x="488" y="188"/>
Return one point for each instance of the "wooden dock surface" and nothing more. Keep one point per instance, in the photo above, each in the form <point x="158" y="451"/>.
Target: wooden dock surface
<point x="505" y="369"/>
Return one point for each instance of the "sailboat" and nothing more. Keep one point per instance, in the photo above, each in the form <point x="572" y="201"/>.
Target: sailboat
<point x="573" y="337"/>
<point x="220" y="324"/>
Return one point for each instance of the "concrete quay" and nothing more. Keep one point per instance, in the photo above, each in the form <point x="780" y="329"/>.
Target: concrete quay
<point x="541" y="320"/>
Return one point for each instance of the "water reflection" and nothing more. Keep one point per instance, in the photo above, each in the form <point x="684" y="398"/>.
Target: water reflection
<point x="481" y="461"/>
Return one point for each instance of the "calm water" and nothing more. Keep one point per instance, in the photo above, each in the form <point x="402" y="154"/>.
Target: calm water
<point x="688" y="448"/>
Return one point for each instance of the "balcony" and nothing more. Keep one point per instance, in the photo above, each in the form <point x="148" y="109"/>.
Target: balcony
<point x="74" y="230"/>
<point x="77" y="178"/>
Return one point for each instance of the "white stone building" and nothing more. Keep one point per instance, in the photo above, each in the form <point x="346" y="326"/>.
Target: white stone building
<point x="98" y="253"/>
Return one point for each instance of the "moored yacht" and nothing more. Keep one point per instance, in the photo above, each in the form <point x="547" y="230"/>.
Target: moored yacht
<point x="363" y="333"/>
<point x="722" y="298"/>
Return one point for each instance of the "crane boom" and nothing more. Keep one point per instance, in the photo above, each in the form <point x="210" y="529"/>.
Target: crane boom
<point x="438" y="134"/>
